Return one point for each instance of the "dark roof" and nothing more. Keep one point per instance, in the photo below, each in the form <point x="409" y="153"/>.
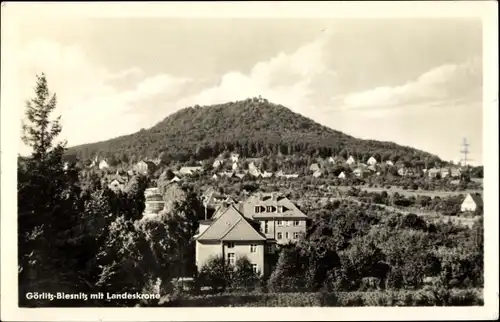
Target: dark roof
<point x="477" y="199"/>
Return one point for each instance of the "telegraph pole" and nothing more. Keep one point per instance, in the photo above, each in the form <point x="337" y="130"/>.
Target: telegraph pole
<point x="465" y="151"/>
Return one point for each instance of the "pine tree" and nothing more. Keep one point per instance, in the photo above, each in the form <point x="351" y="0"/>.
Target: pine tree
<point x="47" y="200"/>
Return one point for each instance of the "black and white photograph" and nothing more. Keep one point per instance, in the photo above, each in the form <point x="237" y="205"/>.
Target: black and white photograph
<point x="252" y="158"/>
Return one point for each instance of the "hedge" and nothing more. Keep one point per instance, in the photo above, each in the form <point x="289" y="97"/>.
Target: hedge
<point x="440" y="297"/>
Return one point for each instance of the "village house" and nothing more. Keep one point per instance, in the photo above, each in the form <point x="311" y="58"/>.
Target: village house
<point x="350" y="160"/>
<point x="145" y="167"/>
<point x="266" y="174"/>
<point x="389" y="163"/>
<point x="281" y="174"/>
<point x="240" y="175"/>
<point x="255" y="172"/>
<point x="314" y="167"/>
<point x="279" y="218"/>
<point x="406" y="172"/>
<point x="227" y="174"/>
<point x="432" y="173"/>
<point x="215" y="177"/>
<point x="94" y="162"/>
<point x="217" y="164"/>
<point x="455" y="172"/>
<point x="445" y="172"/>
<point x="103" y="165"/>
<point x="190" y="170"/>
<point x="317" y="174"/>
<point x="211" y="200"/>
<point x="341" y="175"/>
<point x="117" y="183"/>
<point x="254" y="160"/>
<point x="372" y="168"/>
<point x="175" y="179"/>
<point x="359" y="172"/>
<point x="331" y="160"/>
<point x="231" y="235"/>
<point x="235" y="166"/>
<point x="472" y="202"/>
<point x="371" y="161"/>
<point x="235" y="157"/>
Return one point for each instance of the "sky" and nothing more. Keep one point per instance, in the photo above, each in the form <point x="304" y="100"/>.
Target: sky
<point x="416" y="82"/>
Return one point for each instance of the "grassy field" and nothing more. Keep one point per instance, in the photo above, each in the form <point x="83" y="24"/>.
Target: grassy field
<point x="410" y="192"/>
<point x="429" y="216"/>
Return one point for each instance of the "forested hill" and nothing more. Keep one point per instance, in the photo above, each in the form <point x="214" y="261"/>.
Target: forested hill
<point x="253" y="127"/>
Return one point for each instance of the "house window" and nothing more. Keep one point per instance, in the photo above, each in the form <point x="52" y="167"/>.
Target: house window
<point x="279" y="223"/>
<point x="257" y="209"/>
<point x="230" y="258"/>
<point x="230" y="245"/>
<point x="280" y="235"/>
<point x="270" y="209"/>
<point x="280" y="209"/>
<point x="295" y="235"/>
<point x="253" y="248"/>
<point x="254" y="268"/>
<point x="269" y="248"/>
<point x="286" y="235"/>
<point x="266" y="227"/>
<point x="296" y="223"/>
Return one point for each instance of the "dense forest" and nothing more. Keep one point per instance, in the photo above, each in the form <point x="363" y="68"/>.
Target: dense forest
<point x="253" y="127"/>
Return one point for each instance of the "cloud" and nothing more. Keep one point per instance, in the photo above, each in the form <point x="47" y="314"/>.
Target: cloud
<point x="296" y="80"/>
<point x="92" y="106"/>
<point x="449" y="81"/>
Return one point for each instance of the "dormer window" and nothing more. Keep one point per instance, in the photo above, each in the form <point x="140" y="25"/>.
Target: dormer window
<point x="270" y="209"/>
<point x="280" y="209"/>
<point x="259" y="209"/>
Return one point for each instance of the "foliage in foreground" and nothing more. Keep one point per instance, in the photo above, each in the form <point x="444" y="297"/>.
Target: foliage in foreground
<point x="428" y="297"/>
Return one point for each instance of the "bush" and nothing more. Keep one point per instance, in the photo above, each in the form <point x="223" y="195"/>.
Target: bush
<point x="352" y="299"/>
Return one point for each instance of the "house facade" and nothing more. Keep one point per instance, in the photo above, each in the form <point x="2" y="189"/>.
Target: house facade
<point x="314" y="167"/>
<point x="279" y="218"/>
<point x="251" y="229"/>
<point x="103" y="165"/>
<point x="190" y="170"/>
<point x="359" y="172"/>
<point x="230" y="235"/>
<point x="471" y="202"/>
<point x="217" y="164"/>
<point x="144" y="167"/>
<point x="371" y="161"/>
<point x="235" y="157"/>
<point x="117" y="184"/>
<point x="350" y="160"/>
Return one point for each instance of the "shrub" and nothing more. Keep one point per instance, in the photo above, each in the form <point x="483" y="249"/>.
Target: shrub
<point x="352" y="299"/>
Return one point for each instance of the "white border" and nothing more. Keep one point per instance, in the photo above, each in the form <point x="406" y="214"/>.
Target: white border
<point x="487" y="10"/>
